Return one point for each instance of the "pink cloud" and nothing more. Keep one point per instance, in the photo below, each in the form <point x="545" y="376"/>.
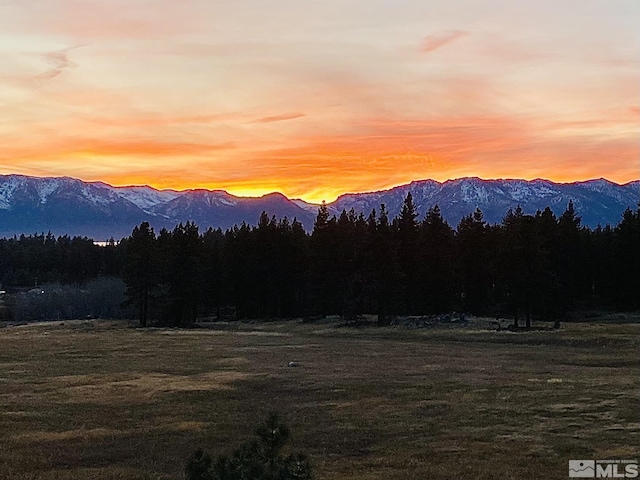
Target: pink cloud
<point x="440" y="39"/>
<point x="279" y="118"/>
<point x="58" y="61"/>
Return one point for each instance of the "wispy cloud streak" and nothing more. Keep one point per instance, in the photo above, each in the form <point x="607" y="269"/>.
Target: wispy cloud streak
<point x="438" y="40"/>
<point x="58" y="61"/>
<point x="279" y="118"/>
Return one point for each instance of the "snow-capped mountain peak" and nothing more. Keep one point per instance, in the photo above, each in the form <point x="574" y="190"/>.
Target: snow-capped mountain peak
<point x="597" y="201"/>
<point x="69" y="206"/>
<point x="145" y="197"/>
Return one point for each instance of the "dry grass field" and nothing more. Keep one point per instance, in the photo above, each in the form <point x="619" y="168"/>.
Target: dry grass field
<point x="99" y="400"/>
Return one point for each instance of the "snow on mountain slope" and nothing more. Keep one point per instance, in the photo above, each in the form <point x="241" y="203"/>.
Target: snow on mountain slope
<point x="198" y="199"/>
<point x="8" y="185"/>
<point x="46" y="188"/>
<point x="220" y="209"/>
<point x="145" y="197"/>
<point x="309" y="207"/>
<point x="20" y="188"/>
<point x="66" y="205"/>
<point x="597" y="201"/>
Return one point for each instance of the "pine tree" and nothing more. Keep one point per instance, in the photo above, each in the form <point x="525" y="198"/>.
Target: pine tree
<point x="322" y="218"/>
<point x="521" y="263"/>
<point x="325" y="279"/>
<point x="139" y="271"/>
<point x="181" y="274"/>
<point x="568" y="259"/>
<point x="436" y="250"/>
<point x="260" y="459"/>
<point x="215" y="286"/>
<point x="407" y="237"/>
<point x="384" y="273"/>
<point x="473" y="261"/>
<point x="548" y="286"/>
<point x="240" y="268"/>
<point x="628" y="259"/>
<point x="199" y="466"/>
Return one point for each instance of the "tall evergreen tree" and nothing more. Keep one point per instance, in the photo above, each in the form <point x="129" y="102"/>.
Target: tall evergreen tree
<point x="406" y="228"/>
<point x="215" y="287"/>
<point x="569" y="261"/>
<point x="241" y="252"/>
<point x="548" y="287"/>
<point x="522" y="262"/>
<point x="628" y="258"/>
<point x="436" y="252"/>
<point x="383" y="272"/>
<point x="473" y="262"/>
<point x="325" y="280"/>
<point x="181" y="275"/>
<point x="139" y="271"/>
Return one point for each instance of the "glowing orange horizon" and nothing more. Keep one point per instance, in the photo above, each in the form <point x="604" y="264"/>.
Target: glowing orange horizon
<point x="315" y="105"/>
<point x="331" y="188"/>
<point x="323" y="167"/>
<point x="381" y="154"/>
<point x="331" y="194"/>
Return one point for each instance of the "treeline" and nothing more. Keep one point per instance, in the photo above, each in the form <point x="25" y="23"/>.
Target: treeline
<point x="33" y="260"/>
<point x="45" y="277"/>
<point x="527" y="267"/>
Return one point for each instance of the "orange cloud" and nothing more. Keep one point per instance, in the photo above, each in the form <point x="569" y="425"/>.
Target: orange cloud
<point x="160" y="120"/>
<point x="184" y="97"/>
<point x="74" y="150"/>
<point x="378" y="153"/>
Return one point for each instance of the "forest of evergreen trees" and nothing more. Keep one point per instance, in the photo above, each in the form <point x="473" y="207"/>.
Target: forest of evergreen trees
<point x="529" y="267"/>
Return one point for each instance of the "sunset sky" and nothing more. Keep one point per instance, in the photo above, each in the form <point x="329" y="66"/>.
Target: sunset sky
<point x="317" y="98"/>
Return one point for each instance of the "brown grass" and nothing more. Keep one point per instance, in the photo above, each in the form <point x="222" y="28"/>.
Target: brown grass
<point x="100" y="400"/>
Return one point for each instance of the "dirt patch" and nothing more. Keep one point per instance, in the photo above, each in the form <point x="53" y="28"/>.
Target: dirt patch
<point x="233" y="361"/>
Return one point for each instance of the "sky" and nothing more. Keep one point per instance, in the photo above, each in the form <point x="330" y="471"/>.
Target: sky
<point x="317" y="98"/>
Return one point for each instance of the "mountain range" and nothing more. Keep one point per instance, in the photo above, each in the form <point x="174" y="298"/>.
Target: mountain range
<point x="70" y="206"/>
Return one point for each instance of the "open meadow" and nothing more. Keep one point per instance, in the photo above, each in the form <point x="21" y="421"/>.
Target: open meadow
<point x="102" y="400"/>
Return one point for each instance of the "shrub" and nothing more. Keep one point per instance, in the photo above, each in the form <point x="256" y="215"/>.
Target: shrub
<point x="259" y="459"/>
<point x="100" y="297"/>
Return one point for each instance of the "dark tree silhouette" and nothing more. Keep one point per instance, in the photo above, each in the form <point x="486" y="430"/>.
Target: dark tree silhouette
<point x="406" y="229"/>
<point x="384" y="272"/>
<point x="473" y="261"/>
<point x="324" y="278"/>
<point x="214" y="288"/>
<point x="436" y="258"/>
<point x="140" y="269"/>
<point x="569" y="259"/>
<point x="627" y="251"/>
<point x="180" y="279"/>
<point x="522" y="265"/>
<point x="534" y="266"/>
